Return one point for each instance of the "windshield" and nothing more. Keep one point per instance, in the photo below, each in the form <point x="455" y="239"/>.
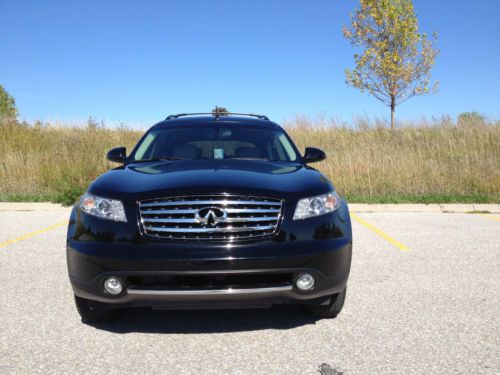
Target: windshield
<point x="214" y="142"/>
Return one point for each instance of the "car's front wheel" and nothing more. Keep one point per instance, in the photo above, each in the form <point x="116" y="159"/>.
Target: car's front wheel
<point x="332" y="309"/>
<point x="92" y="314"/>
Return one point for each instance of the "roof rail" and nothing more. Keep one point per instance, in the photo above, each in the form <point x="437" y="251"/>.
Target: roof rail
<point x="217" y="115"/>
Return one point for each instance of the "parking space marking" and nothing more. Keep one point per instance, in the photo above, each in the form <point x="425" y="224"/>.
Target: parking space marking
<point x="29" y="235"/>
<point x="375" y="230"/>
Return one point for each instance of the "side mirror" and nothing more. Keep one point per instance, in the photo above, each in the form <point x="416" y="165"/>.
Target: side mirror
<point x="117" y="155"/>
<point x="313" y="155"/>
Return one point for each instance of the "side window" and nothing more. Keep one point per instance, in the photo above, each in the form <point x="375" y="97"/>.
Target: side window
<point x="290" y="152"/>
<point x="144" y="150"/>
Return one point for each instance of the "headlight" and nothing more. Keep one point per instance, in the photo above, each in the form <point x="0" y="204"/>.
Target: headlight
<point x="105" y="208"/>
<point x="315" y="206"/>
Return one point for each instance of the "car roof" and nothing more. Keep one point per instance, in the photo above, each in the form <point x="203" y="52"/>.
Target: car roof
<point x="220" y="120"/>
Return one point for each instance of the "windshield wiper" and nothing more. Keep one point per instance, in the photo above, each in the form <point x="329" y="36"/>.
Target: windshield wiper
<point x="157" y="159"/>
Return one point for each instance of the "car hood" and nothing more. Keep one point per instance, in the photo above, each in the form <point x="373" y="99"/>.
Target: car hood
<point x="138" y="181"/>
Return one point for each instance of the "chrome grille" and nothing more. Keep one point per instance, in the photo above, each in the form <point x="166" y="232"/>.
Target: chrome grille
<point x="245" y="218"/>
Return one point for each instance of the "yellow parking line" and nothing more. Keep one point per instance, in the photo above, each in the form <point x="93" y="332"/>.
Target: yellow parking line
<point x="14" y="240"/>
<point x="385" y="236"/>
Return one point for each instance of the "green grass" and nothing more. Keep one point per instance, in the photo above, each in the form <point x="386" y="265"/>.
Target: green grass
<point x="27" y="197"/>
<point x="66" y="198"/>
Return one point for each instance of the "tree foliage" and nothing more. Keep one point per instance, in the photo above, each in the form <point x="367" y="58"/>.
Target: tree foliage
<point x="396" y="60"/>
<point x="471" y="119"/>
<point x="7" y="104"/>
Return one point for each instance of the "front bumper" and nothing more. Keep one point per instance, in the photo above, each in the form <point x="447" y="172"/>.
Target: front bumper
<point x="330" y="269"/>
<point x="97" y="249"/>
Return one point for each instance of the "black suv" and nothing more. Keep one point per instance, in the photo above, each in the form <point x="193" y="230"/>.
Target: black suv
<point x="210" y="211"/>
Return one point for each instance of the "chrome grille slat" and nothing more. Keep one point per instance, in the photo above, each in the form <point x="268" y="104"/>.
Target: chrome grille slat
<point x="229" y="220"/>
<point x="252" y="210"/>
<point x="229" y="211"/>
<point x="211" y="230"/>
<point x="210" y="202"/>
<point x="246" y="218"/>
<point x="168" y="211"/>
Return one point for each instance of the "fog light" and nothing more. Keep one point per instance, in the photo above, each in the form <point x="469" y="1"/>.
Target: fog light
<point x="113" y="286"/>
<point x="305" y="281"/>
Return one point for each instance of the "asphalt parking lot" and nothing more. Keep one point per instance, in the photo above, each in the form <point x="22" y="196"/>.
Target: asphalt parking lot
<point x="423" y="298"/>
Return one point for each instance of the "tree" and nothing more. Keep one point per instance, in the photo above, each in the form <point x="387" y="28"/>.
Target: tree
<point x="471" y="118"/>
<point x="396" y="60"/>
<point x="7" y="104"/>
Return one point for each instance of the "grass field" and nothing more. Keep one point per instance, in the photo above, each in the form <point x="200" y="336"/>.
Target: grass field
<point x="428" y="162"/>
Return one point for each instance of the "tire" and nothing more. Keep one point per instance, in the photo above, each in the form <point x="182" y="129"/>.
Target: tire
<point x="91" y="314"/>
<point x="331" y="310"/>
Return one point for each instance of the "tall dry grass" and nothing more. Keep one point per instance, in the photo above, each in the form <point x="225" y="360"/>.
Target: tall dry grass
<point x="431" y="159"/>
<point x="50" y="160"/>
<point x="428" y="158"/>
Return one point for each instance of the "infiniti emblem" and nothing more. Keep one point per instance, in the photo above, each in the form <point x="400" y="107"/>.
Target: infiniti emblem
<point x="210" y="215"/>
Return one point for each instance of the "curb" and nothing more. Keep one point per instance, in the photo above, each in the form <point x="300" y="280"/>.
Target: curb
<point x="355" y="207"/>
<point x="32" y="206"/>
<point x="429" y="208"/>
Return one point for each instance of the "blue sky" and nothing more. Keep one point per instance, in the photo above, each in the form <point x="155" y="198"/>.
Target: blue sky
<point x="138" y="61"/>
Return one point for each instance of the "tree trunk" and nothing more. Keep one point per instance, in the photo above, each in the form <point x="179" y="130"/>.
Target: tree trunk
<point x="393" y="109"/>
